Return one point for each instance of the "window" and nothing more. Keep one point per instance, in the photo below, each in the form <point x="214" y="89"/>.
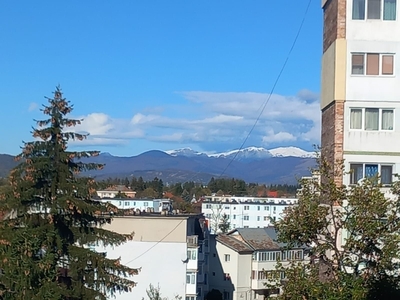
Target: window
<point x="234" y="207"/>
<point x="190" y="278"/>
<point x="226" y="295"/>
<point x="373" y="9"/>
<point x="126" y="203"/>
<point x="258" y="207"/>
<point x="190" y="298"/>
<point x="372" y="64"/>
<point x="258" y="218"/>
<point x="359" y="171"/>
<point x="371" y="119"/>
<point x="227" y="277"/>
<point x="226" y="207"/>
<point x="265" y="218"/>
<point x="208" y="205"/>
<point x="246" y="207"/>
<point x="192" y="254"/>
<point x="146" y="204"/>
<point x="274" y="210"/>
<point x="246" y="218"/>
<point x="227" y="257"/>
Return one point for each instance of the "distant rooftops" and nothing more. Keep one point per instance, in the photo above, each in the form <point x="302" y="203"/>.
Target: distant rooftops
<point x="248" y="240"/>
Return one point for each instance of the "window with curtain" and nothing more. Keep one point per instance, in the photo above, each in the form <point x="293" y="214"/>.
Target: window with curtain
<point x="387" y="64"/>
<point x="371" y="170"/>
<point x="372" y="119"/>
<point x="372" y="64"/>
<point x="356" y="118"/>
<point x="357" y="64"/>
<point x="386" y="174"/>
<point x="356" y="173"/>
<point x="389" y="10"/>
<point x="374" y="9"/>
<point x="387" y="119"/>
<point x="358" y="9"/>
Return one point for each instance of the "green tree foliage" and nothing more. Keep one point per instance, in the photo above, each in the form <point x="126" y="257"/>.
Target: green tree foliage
<point x="51" y="218"/>
<point x="224" y="224"/>
<point x="353" y="233"/>
<point x="154" y="293"/>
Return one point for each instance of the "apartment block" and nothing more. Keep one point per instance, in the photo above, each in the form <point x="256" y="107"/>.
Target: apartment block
<point x="171" y="252"/>
<point x="241" y="261"/>
<point x="360" y="98"/>
<point x="244" y="212"/>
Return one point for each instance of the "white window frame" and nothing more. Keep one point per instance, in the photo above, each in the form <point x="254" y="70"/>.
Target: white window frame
<point x="192" y="254"/>
<point x="365" y="54"/>
<point x="246" y="218"/>
<point x="381" y="12"/>
<point x="246" y="207"/>
<point x="190" y="278"/>
<point x="380" y="165"/>
<point x="227" y="257"/>
<point x="363" y="109"/>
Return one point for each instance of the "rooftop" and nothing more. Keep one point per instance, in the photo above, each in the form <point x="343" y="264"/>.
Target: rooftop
<point x="247" y="240"/>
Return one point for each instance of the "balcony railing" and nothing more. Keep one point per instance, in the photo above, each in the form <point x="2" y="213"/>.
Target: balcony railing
<point x="192" y="241"/>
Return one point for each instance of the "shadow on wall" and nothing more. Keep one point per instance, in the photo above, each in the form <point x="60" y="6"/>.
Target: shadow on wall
<point x="218" y="280"/>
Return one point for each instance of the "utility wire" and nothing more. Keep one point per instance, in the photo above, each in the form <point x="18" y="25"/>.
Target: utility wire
<point x="155" y="243"/>
<point x="273" y="87"/>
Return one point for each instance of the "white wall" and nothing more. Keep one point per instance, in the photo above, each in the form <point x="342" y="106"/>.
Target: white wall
<point x="161" y="265"/>
<point x="257" y="214"/>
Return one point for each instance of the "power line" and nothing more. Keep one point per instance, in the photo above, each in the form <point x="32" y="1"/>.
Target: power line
<point x="273" y="87"/>
<point x="155" y="243"/>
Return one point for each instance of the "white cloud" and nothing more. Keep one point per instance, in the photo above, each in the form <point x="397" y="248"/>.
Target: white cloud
<point x="32" y="106"/>
<point x="210" y="117"/>
<point x="279" y="137"/>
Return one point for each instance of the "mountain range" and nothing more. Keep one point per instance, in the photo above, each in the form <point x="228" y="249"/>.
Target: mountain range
<point x="252" y="164"/>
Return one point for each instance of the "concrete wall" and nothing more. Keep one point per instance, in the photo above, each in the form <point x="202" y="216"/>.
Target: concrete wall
<point x="161" y="264"/>
<point x="151" y="229"/>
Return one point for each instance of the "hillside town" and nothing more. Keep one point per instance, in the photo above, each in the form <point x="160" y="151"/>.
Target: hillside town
<point x="244" y="224"/>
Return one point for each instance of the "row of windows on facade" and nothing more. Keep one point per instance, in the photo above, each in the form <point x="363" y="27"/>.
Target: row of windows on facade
<point x="372" y="64"/>
<point x="246" y="218"/>
<point x="246" y="207"/>
<point x="262" y="275"/>
<point x="359" y="171"/>
<point x="372" y="119"/>
<point x="287" y="255"/>
<point x="374" y="10"/>
<point x="128" y="203"/>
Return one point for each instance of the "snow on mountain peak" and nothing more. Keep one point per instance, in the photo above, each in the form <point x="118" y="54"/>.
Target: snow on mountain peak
<point x="290" y="151"/>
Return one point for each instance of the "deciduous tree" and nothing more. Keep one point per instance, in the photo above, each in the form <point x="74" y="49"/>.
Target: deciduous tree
<point x="353" y="233"/>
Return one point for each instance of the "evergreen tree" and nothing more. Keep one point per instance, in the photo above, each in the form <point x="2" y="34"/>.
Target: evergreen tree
<point x="224" y="224"/>
<point x="51" y="220"/>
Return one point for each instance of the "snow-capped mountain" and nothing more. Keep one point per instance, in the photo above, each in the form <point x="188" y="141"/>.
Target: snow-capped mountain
<point x="250" y="153"/>
<point x="290" y="151"/>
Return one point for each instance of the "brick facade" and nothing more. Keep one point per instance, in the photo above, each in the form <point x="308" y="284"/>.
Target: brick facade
<point x="332" y="135"/>
<point x="334" y="22"/>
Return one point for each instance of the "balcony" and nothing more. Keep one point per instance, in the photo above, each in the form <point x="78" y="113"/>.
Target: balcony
<point x="192" y="241"/>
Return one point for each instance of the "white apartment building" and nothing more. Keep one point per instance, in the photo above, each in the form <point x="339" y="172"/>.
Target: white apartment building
<point x="140" y="205"/>
<point x="244" y="212"/>
<point x="241" y="259"/>
<point x="360" y="95"/>
<point x="171" y="252"/>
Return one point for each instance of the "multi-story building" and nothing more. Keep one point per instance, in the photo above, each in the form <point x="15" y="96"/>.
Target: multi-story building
<point x="241" y="260"/>
<point x="114" y="191"/>
<point x="140" y="205"/>
<point x="170" y="250"/>
<point x="244" y="212"/>
<point x="360" y="95"/>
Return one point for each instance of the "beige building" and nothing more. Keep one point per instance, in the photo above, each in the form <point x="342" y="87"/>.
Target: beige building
<point x="241" y="259"/>
<point x="170" y="250"/>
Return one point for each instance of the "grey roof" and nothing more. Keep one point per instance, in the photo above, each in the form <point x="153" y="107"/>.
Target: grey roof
<point x="258" y="238"/>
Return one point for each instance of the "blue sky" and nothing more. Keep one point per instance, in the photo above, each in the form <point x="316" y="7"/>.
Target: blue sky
<point x="163" y="75"/>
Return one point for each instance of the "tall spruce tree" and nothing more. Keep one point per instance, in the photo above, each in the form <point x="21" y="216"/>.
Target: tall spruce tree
<point x="51" y="219"/>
